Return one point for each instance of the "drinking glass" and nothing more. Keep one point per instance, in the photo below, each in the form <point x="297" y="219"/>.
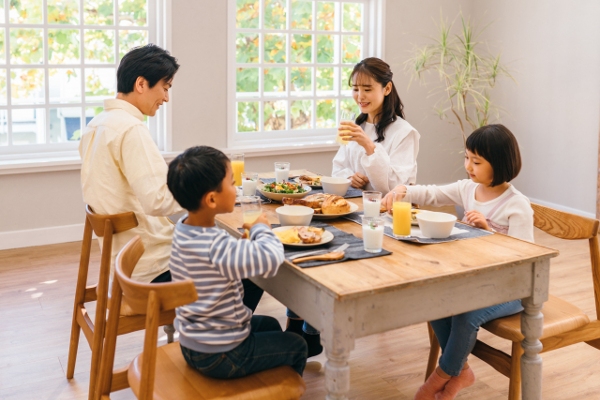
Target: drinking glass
<point x="251" y="209"/>
<point x="401" y="214"/>
<point x="372" y="230"/>
<point x="371" y="203"/>
<point x="345" y="115"/>
<point x="282" y="171"/>
<point x="237" y="165"/>
<point x="249" y="180"/>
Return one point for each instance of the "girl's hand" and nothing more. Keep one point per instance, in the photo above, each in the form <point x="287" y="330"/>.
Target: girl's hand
<point x="354" y="133"/>
<point x="388" y="200"/>
<point x="476" y="219"/>
<point x="358" y="180"/>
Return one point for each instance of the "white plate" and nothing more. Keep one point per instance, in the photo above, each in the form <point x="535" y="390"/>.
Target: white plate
<point x="353" y="208"/>
<point x="415" y="222"/>
<point x="326" y="238"/>
<point x="297" y="180"/>
<point x="279" y="196"/>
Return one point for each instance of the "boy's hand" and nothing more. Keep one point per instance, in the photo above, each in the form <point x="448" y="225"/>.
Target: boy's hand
<point x="476" y="219"/>
<point x="262" y="219"/>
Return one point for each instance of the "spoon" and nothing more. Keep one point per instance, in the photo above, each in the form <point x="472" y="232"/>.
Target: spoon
<point x="334" y="255"/>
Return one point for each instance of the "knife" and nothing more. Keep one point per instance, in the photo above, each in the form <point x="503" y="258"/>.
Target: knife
<point x="335" y="254"/>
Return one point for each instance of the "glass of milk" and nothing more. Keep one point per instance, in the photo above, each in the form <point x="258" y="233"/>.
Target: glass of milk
<point x="251" y="209"/>
<point x="282" y="171"/>
<point x="249" y="180"/>
<point x="371" y="203"/>
<point x="372" y="229"/>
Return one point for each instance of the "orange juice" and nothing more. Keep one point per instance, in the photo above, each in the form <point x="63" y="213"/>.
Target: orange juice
<point x="401" y="218"/>
<point x="238" y="168"/>
<point x="340" y="139"/>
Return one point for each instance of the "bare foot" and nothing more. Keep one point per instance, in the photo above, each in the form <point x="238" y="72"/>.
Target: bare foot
<point x="456" y="384"/>
<point x="432" y="386"/>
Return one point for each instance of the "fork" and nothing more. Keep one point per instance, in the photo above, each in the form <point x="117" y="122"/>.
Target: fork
<point x="318" y="252"/>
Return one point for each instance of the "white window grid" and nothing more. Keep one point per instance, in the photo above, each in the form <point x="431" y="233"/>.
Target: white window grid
<point x="156" y="29"/>
<point x="372" y="9"/>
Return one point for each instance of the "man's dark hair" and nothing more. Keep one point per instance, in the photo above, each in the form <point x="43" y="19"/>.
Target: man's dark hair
<point x="194" y="173"/>
<point x="150" y="62"/>
<point x="499" y="147"/>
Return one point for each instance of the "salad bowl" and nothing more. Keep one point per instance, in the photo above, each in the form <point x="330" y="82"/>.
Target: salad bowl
<point x="277" y="191"/>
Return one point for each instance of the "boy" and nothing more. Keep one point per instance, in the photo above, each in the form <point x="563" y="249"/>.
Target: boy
<point x="219" y="336"/>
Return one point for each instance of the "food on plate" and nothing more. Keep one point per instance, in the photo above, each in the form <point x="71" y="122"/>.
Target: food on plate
<point x="300" y="234"/>
<point x="413" y="213"/>
<point x="283" y="187"/>
<point x="310" y="180"/>
<point x="322" y="203"/>
<point x="382" y="208"/>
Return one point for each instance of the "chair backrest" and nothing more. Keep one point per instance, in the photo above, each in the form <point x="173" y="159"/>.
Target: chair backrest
<point x="149" y="299"/>
<point x="568" y="226"/>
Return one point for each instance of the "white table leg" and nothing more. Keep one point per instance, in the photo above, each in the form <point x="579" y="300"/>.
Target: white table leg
<point x="337" y="375"/>
<point x="532" y="322"/>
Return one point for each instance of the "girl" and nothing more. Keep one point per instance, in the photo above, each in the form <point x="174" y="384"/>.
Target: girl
<point x="383" y="147"/>
<point x="492" y="160"/>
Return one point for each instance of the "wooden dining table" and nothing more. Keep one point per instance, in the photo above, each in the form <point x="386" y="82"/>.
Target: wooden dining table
<point x="415" y="284"/>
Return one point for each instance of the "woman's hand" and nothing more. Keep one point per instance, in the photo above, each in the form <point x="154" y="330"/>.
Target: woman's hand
<point x="358" y="180"/>
<point x="351" y="132"/>
<point x="476" y="219"/>
<point x="388" y="200"/>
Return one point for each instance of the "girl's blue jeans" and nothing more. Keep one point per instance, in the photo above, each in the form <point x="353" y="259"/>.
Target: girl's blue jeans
<point x="306" y="327"/>
<point x="266" y="347"/>
<point x="457" y="334"/>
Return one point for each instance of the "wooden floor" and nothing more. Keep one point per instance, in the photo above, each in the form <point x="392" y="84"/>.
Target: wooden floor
<point x="37" y="287"/>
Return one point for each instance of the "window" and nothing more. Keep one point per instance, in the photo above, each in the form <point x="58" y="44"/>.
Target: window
<point x="58" y="61"/>
<point x="289" y="63"/>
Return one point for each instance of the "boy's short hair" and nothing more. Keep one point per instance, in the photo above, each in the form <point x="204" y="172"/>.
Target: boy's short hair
<point x="195" y="172"/>
<point x="499" y="147"/>
<point x="150" y="62"/>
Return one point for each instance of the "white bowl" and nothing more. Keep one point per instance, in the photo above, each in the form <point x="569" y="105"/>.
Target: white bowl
<point x="294" y="215"/>
<point x="279" y="196"/>
<point x="436" y="225"/>
<point x="337" y="186"/>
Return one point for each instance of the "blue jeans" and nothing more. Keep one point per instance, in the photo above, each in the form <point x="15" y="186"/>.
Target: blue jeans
<point x="266" y="347"/>
<point x="306" y="327"/>
<point x="457" y="335"/>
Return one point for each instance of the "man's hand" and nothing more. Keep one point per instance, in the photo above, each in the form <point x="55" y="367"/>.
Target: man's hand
<point x="476" y="219"/>
<point x="358" y="180"/>
<point x="388" y="200"/>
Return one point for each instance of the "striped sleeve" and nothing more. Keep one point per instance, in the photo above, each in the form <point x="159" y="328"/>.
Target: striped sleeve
<point x="239" y="259"/>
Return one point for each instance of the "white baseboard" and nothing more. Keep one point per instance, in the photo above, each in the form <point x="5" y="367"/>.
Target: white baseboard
<point x="563" y="208"/>
<point x="41" y="236"/>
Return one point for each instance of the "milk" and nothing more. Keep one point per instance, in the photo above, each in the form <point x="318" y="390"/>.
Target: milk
<point x="373" y="238"/>
<point x="282" y="174"/>
<point x="248" y="187"/>
<point x="371" y="208"/>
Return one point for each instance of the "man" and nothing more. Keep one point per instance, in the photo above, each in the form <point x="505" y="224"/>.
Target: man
<point x="122" y="169"/>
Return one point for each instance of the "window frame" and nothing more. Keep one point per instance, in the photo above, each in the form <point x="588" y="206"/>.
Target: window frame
<point x="64" y="155"/>
<point x="313" y="138"/>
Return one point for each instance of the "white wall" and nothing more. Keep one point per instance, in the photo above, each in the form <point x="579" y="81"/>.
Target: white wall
<point x="553" y="47"/>
<point x="554" y="110"/>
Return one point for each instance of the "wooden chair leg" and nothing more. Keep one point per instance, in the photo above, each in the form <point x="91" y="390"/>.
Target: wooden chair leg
<point x="73" y="346"/>
<point x="514" y="386"/>
<point x="434" y="352"/>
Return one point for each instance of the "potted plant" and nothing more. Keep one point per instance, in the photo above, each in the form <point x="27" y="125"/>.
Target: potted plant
<point x="467" y="74"/>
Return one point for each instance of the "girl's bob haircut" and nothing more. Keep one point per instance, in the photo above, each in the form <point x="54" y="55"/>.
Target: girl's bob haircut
<point x="499" y="147"/>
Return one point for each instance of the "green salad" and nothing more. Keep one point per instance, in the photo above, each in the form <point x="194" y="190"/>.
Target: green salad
<point x="283" y="187"/>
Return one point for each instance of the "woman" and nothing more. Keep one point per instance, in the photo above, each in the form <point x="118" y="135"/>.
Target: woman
<point x="383" y="147"/>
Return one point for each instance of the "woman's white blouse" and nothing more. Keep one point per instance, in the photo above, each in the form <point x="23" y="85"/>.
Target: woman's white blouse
<point x="393" y="163"/>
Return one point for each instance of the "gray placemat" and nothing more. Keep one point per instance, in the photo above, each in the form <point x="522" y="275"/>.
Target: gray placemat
<point x="472" y="232"/>
<point x="355" y="251"/>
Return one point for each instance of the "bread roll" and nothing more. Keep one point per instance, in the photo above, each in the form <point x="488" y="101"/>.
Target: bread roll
<point x="335" y="205"/>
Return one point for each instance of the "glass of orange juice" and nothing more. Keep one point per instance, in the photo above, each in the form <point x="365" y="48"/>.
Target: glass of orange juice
<point x="348" y="116"/>
<point x="237" y="165"/>
<point x="401" y="214"/>
<point x="251" y="209"/>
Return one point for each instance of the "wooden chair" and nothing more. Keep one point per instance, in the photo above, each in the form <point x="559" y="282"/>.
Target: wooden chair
<point x="104" y="226"/>
<point x="162" y="373"/>
<point x="564" y="323"/>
